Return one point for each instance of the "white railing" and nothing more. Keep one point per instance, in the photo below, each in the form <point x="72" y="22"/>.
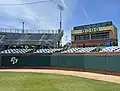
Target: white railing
<point x="28" y="30"/>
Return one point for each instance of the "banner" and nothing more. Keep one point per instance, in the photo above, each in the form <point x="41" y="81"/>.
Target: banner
<point x="92" y="30"/>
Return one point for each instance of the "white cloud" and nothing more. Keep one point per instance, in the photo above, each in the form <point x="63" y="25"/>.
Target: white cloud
<point x="39" y="16"/>
<point x="42" y="15"/>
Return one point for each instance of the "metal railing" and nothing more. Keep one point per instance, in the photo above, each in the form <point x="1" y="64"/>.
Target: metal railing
<point x="28" y="30"/>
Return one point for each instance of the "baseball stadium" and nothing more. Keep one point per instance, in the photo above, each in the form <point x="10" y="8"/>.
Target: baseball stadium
<point x="92" y="54"/>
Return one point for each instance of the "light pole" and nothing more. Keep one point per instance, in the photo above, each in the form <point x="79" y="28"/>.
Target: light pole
<point x="61" y="8"/>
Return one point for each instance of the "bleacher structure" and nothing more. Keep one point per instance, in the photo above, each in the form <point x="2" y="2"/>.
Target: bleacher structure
<point x="49" y="38"/>
<point x="47" y="50"/>
<point x="23" y="51"/>
<point x="15" y="51"/>
<point x="111" y="49"/>
<point x="60" y="50"/>
<point x="43" y="38"/>
<point x="79" y="50"/>
<point x="93" y="49"/>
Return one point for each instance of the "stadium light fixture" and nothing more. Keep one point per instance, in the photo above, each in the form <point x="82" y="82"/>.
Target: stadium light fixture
<point x="61" y="8"/>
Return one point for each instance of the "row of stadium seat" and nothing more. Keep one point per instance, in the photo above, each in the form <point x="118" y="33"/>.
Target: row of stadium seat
<point x="21" y="51"/>
<point x="92" y="49"/>
<point x="89" y="49"/>
<point x="111" y="49"/>
<point x="15" y="51"/>
<point x="16" y="36"/>
<point x="47" y="50"/>
<point x="79" y="50"/>
<point x="72" y="50"/>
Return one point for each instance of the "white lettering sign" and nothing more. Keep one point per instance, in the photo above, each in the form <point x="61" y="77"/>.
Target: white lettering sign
<point x="90" y="30"/>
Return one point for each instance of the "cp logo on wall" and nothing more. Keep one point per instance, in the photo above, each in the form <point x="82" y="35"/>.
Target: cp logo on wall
<point x="14" y="60"/>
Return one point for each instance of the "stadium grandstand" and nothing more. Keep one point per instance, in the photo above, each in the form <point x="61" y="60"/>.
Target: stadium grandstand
<point x="99" y="37"/>
<point x="15" y="41"/>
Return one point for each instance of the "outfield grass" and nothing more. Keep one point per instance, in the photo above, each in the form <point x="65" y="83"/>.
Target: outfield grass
<point x="46" y="82"/>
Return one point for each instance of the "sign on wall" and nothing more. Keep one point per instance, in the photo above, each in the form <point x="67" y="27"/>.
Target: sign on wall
<point x="14" y="60"/>
<point x="91" y="30"/>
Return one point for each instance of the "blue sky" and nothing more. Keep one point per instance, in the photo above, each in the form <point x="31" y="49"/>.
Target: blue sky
<point x="46" y="15"/>
<point x="93" y="11"/>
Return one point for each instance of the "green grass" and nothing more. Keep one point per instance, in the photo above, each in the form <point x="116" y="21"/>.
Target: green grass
<point x="46" y="82"/>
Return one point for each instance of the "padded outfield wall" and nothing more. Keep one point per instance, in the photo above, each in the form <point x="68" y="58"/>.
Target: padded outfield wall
<point x="92" y="61"/>
<point x="25" y="60"/>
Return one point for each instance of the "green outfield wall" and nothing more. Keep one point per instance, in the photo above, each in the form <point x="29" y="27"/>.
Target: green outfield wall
<point x="68" y="61"/>
<point x="112" y="63"/>
<point x="81" y="61"/>
<point x="94" y="62"/>
<point x="19" y="61"/>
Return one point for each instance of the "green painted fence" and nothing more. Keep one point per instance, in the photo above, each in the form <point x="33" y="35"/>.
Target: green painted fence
<point x="96" y="62"/>
<point x="9" y="61"/>
<point x="113" y="63"/>
<point x="67" y="61"/>
<point x="35" y="61"/>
